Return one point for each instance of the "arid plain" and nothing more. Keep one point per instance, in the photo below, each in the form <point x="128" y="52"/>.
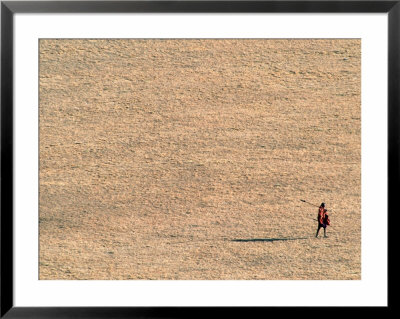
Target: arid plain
<point x="187" y="159"/>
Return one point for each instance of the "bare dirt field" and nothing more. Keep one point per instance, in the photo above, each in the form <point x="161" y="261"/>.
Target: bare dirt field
<point x="187" y="159"/>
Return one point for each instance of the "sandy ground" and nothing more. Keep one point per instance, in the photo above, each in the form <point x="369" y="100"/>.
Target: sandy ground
<point x="187" y="159"/>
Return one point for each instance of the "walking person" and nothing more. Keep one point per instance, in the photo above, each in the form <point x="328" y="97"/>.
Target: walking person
<point x="323" y="219"/>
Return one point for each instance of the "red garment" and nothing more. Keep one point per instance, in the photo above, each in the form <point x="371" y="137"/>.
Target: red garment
<point x="322" y="215"/>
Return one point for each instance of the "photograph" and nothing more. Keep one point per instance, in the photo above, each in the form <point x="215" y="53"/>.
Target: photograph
<point x="199" y="159"/>
<point x="175" y="159"/>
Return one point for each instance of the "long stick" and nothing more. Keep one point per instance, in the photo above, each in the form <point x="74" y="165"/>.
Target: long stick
<point x="317" y="220"/>
<point x="304" y="201"/>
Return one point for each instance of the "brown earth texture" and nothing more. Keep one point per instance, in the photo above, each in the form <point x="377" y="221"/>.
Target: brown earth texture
<point x="189" y="158"/>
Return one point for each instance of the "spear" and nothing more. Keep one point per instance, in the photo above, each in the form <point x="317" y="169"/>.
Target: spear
<point x="304" y="201"/>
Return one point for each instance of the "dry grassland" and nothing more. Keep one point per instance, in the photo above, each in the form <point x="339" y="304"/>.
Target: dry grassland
<point x="187" y="159"/>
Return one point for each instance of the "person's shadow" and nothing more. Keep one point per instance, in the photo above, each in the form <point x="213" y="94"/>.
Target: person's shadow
<point x="266" y="239"/>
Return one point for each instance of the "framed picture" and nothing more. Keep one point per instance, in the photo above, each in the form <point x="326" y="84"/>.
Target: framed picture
<point x="184" y="158"/>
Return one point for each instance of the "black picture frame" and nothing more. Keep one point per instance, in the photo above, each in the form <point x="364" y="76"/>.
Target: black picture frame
<point x="9" y="8"/>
